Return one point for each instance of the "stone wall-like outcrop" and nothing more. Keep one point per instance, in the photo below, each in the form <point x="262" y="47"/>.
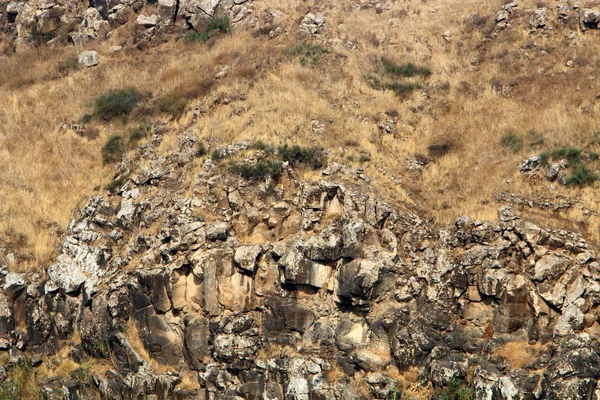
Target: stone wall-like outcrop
<point x="298" y="290"/>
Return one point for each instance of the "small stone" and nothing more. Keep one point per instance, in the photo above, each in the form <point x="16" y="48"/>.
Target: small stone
<point x="222" y="73"/>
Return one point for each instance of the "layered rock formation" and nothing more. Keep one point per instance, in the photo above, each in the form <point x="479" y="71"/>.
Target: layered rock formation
<point x="298" y="290"/>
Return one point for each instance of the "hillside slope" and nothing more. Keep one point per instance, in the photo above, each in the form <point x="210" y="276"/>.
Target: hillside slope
<point x="152" y="209"/>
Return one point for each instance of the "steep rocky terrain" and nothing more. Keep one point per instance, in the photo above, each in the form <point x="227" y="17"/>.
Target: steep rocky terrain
<point x="203" y="263"/>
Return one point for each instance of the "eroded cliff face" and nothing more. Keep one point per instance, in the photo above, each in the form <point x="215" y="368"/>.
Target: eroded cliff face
<point x="187" y="284"/>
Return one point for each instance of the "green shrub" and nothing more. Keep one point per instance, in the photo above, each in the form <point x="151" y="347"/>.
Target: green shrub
<point x="220" y="24"/>
<point x="581" y="177"/>
<point x="364" y="158"/>
<point x="82" y="374"/>
<point x="172" y="104"/>
<point x="453" y="390"/>
<point x="260" y="170"/>
<point x="306" y="52"/>
<point x="402" y="88"/>
<point x="196" y="37"/>
<point x="571" y="154"/>
<point x="373" y="81"/>
<point x="86" y="119"/>
<point x="406" y="70"/>
<point x="544" y="158"/>
<point x="114" y="149"/>
<point x="201" y="150"/>
<point x="218" y="154"/>
<point x="260" y="145"/>
<point x="139" y="133"/>
<point x="512" y="141"/>
<point x="296" y="155"/>
<point x="117" y="103"/>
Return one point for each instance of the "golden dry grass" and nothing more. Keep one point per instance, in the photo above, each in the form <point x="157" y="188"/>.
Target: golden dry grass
<point x="45" y="171"/>
<point x="520" y="353"/>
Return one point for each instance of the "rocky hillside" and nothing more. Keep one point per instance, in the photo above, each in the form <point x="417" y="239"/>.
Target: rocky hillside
<point x="267" y="200"/>
<point x="224" y="287"/>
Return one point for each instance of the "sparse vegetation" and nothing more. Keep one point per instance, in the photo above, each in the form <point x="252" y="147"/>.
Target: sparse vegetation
<point x="69" y="64"/>
<point x="387" y="74"/>
<point x="260" y="145"/>
<point x="218" y="154"/>
<point x="296" y="155"/>
<point x="201" y="150"/>
<point x="139" y="133"/>
<point x="406" y="70"/>
<point x="172" y="104"/>
<point x="114" y="149"/>
<point x="117" y="183"/>
<point x="581" y="177"/>
<point x="512" y="141"/>
<point x="21" y="384"/>
<point x="261" y="170"/>
<point x="306" y="52"/>
<point x="454" y="390"/>
<point x="117" y="103"/>
<point x="213" y="25"/>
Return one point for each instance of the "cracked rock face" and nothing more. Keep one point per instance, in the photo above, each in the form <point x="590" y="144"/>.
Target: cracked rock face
<point x="255" y="293"/>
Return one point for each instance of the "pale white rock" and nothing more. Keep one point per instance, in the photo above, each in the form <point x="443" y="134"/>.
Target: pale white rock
<point x="89" y="58"/>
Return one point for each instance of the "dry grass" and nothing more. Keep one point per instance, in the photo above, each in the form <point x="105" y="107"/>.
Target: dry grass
<point x="520" y="353"/>
<point x="45" y="171"/>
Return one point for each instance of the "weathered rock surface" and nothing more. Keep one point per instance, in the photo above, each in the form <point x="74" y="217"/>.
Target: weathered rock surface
<point x="341" y="283"/>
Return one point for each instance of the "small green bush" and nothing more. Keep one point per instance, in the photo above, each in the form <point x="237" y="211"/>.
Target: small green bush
<point x="117" y="103"/>
<point x="512" y="141"/>
<point x="571" y="154"/>
<point x="218" y="154"/>
<point x="260" y="145"/>
<point x="172" y="104"/>
<point x="201" y="150"/>
<point x="114" y="149"/>
<point x="402" y="88"/>
<point x="406" y="70"/>
<point x="86" y="119"/>
<point x="306" y="52"/>
<point x="544" y="158"/>
<point x="296" y="155"/>
<point x="260" y="170"/>
<point x="220" y="24"/>
<point x="453" y="390"/>
<point x="581" y="177"/>
<point x="364" y="158"/>
<point x="195" y="37"/>
<point x="139" y="133"/>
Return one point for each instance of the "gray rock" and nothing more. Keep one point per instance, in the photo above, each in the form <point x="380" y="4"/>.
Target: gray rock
<point x="148" y="21"/>
<point x="531" y="164"/>
<point x="88" y="58"/>
<point x="312" y="24"/>
<point x="218" y="230"/>
<point x="589" y="18"/>
<point x="539" y="18"/>
<point x="246" y="257"/>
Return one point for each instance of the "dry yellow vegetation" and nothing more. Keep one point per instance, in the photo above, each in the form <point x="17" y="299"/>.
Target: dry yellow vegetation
<point x="480" y="88"/>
